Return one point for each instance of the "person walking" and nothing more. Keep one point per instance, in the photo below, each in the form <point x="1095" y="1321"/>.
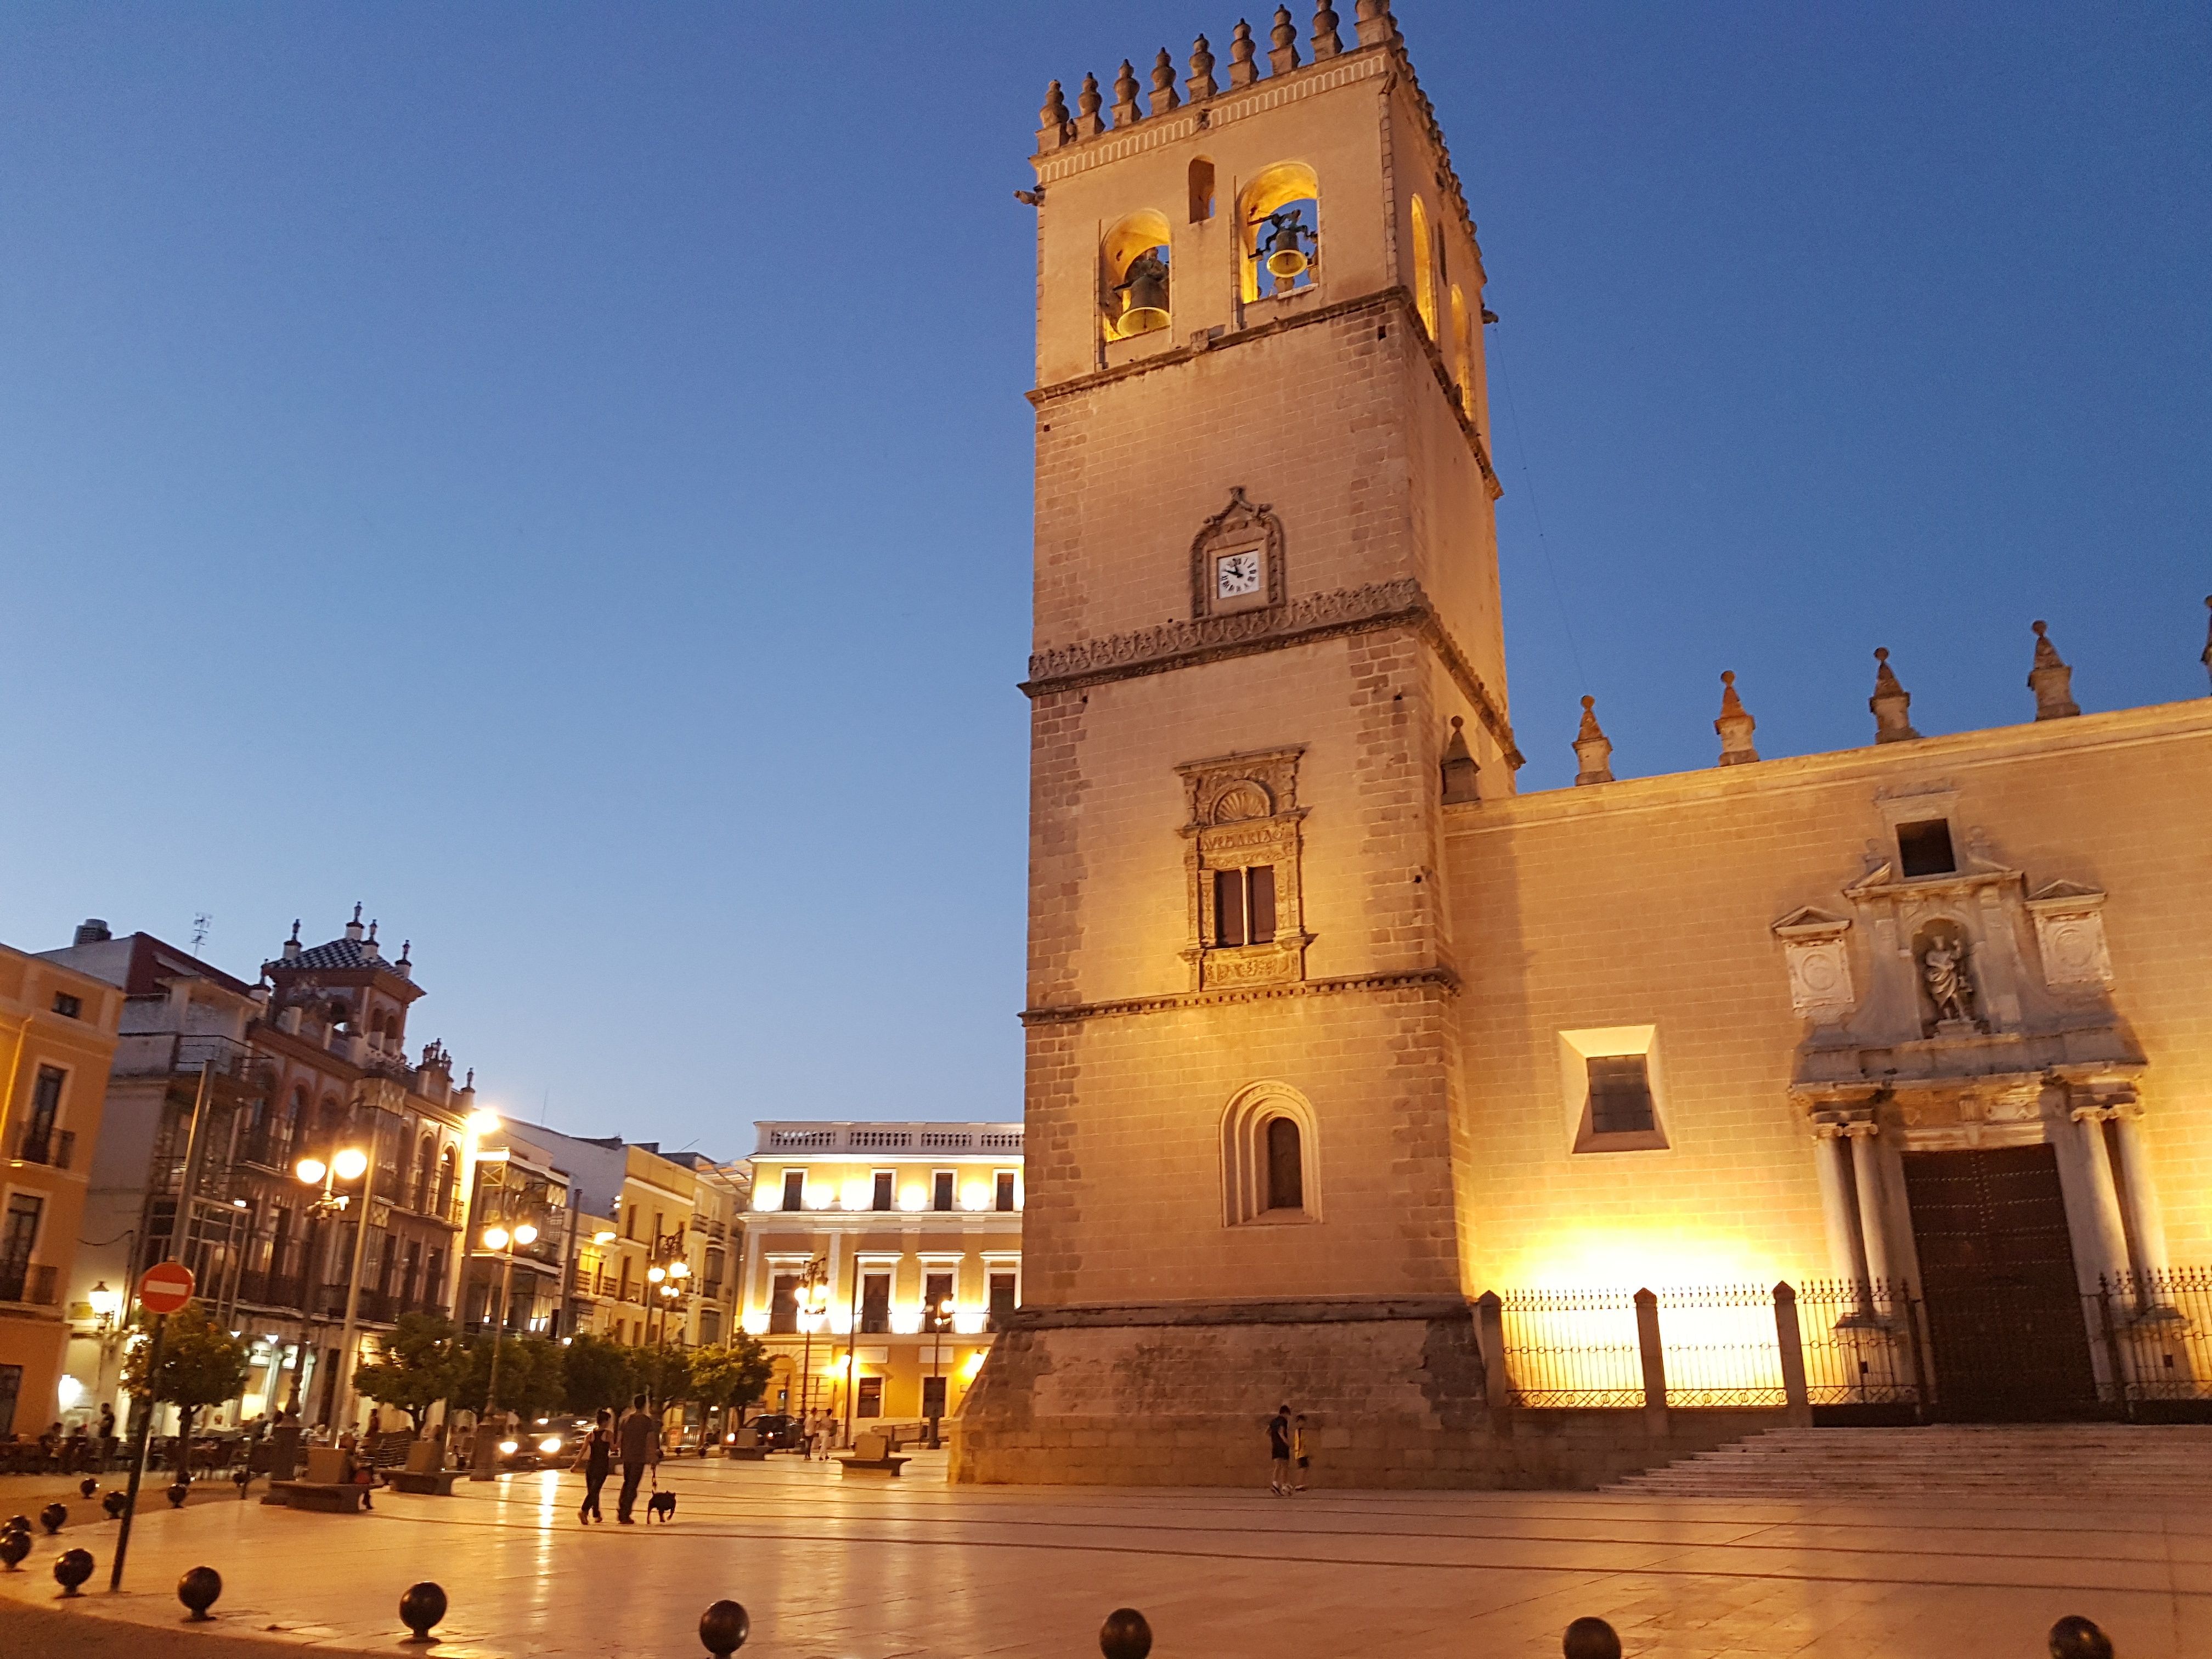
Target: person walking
<point x="597" y="1460"/>
<point x="106" y="1435"/>
<point x="1299" y="1461"/>
<point x="1279" y="1452"/>
<point x="638" y="1444"/>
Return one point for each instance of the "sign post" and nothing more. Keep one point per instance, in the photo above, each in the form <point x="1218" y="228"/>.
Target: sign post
<point x="165" y="1288"/>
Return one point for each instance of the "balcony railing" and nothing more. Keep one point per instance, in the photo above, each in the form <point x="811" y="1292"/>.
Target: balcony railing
<point x="29" y="1283"/>
<point x="150" y="1054"/>
<point x="972" y="1139"/>
<point x="44" y="1144"/>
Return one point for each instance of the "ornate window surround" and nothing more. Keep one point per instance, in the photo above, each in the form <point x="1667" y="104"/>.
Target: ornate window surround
<point x="1240" y="524"/>
<point x="1225" y="832"/>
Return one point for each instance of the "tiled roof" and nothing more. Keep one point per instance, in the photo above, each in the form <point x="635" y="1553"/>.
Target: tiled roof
<point x="338" y="953"/>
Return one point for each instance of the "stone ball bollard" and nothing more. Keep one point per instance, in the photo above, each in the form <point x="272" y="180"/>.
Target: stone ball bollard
<point x="197" y="1589"/>
<point x="115" y="1501"/>
<point x="17" y="1523"/>
<point x="1592" y="1638"/>
<point x="178" y="1494"/>
<point x="14" y="1547"/>
<point x="86" y="1488"/>
<point x="723" y="1628"/>
<point x="1125" y="1635"/>
<point x="2077" y="1637"/>
<point x="71" y="1569"/>
<point x="422" y="1607"/>
<point x="53" y="1516"/>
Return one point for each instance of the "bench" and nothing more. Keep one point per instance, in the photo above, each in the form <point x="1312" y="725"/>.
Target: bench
<point x="336" y="1497"/>
<point x="871" y="1454"/>
<point x="425" y="1483"/>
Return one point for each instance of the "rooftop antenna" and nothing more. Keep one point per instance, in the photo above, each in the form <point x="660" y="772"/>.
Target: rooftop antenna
<point x="202" y="921"/>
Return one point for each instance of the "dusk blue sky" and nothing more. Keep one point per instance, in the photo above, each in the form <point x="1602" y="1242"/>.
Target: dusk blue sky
<point x="560" y="474"/>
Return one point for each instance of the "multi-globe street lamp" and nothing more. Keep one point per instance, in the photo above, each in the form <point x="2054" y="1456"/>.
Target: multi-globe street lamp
<point x="349" y="1165"/>
<point x="938" y="1307"/>
<point x="502" y="1242"/>
<point x="813" y="1305"/>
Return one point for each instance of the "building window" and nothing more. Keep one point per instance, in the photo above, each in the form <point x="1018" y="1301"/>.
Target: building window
<point x="1003" y="1300"/>
<point x="783" y="1306"/>
<point x="18" y="1236"/>
<point x="875" y="1303"/>
<point x="936" y="1302"/>
<point x="871" y="1397"/>
<point x="1268" y="1163"/>
<point x="940" y="1190"/>
<point x="1003" y="1197"/>
<point x="880" y="1198"/>
<point x="795" y="1189"/>
<point x="1620" y="1095"/>
<point x="710" y="1326"/>
<point x="1201" y="190"/>
<point x="1924" y="848"/>
<point x="1286" y="1188"/>
<point x="932" y="1396"/>
<point x="1244" y="905"/>
<point x="67" y="1006"/>
<point x="45" y="1102"/>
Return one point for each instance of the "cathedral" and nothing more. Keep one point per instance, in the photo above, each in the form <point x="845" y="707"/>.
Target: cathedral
<point x="1358" y="1080"/>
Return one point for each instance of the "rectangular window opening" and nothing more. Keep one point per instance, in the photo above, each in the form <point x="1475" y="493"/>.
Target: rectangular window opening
<point x="1003" y="1195"/>
<point x="1003" y="1301"/>
<point x="67" y="1006"/>
<point x="875" y="1303"/>
<point x="869" y="1400"/>
<point x="795" y="1189"/>
<point x="940" y="1190"/>
<point x="1620" y="1095"/>
<point x="1244" y="905"/>
<point x="880" y="1198"/>
<point x="1924" y="848"/>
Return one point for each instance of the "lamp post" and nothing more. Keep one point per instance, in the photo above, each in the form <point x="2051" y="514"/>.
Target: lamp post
<point x="937" y="1307"/>
<point x="813" y="1304"/>
<point x="347" y="1163"/>
<point x="485" y="1463"/>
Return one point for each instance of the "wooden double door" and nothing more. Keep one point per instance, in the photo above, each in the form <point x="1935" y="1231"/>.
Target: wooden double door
<point x="2007" y="1326"/>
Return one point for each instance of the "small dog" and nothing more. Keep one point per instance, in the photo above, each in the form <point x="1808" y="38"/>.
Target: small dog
<point x="661" y="1508"/>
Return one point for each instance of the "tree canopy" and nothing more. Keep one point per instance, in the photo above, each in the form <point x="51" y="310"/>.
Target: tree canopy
<point x="202" y="1365"/>
<point x="423" y="1362"/>
<point x="732" y="1375"/>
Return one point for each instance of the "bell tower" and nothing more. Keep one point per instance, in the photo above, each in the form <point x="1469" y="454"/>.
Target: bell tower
<point x="1266" y="651"/>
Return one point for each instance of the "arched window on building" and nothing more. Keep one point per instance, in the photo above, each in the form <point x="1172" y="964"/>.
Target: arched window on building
<point x="1268" y="1168"/>
<point x="1424" y="272"/>
<point x="445" y="1184"/>
<point x="1279" y="232"/>
<point x="426" y="1159"/>
<point x="1462" y="356"/>
<point x="1134" y="261"/>
<point x="1201" y="190"/>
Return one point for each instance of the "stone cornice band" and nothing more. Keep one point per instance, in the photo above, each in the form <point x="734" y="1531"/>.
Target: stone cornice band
<point x="1440" y="978"/>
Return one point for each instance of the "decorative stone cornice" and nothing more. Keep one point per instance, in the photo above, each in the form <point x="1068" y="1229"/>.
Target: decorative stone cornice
<point x="1439" y="978"/>
<point x="1365" y="609"/>
<point x="1317" y="1310"/>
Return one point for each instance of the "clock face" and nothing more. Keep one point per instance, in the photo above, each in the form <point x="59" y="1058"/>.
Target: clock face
<point x="1236" y="575"/>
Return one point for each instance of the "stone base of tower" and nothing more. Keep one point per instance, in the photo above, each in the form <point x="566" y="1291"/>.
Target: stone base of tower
<point x="1392" y="1393"/>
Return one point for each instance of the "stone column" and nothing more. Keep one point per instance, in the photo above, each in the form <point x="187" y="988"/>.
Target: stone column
<point x="2103" y="1196"/>
<point x="1845" y="1257"/>
<point x="2144" y="1215"/>
<point x="1873" y="1238"/>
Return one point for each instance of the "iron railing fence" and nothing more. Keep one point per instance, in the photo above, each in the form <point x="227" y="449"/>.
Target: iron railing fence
<point x="2156" y="1332"/>
<point x="1862" y="1343"/>
<point x="1571" y="1348"/>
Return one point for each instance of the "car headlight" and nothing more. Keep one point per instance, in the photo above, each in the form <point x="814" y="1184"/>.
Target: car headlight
<point x="549" y="1444"/>
<point x="508" y="1448"/>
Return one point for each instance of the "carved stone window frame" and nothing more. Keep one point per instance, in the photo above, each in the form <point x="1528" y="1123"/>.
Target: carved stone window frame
<point x="1238" y="525"/>
<point x="1225" y="832"/>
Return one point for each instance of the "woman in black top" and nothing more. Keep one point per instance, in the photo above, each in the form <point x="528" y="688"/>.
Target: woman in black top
<point x="598" y="1458"/>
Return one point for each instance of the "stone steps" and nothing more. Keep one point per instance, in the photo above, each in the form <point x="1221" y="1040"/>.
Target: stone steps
<point x="2129" y="1463"/>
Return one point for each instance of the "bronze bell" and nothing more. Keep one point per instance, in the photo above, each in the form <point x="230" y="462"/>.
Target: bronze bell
<point x="1145" y="295"/>
<point x="1284" y="257"/>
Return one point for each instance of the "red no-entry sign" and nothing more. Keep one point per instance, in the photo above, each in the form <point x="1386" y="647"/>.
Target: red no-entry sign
<point x="165" y="1288"/>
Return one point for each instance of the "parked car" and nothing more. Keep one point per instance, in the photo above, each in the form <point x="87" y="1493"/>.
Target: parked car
<point x="778" y="1431"/>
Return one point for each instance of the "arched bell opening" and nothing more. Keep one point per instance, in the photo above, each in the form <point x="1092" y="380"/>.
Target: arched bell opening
<point x="1424" y="269"/>
<point x="1280" y="215"/>
<point x="1133" y="277"/>
<point x="1462" y="353"/>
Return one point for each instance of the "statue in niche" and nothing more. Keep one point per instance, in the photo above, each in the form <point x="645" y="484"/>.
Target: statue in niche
<point x="1943" y="971"/>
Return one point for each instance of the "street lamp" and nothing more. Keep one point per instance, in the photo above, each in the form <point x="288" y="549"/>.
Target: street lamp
<point x="348" y="1164"/>
<point x="938" y="1306"/>
<point x="504" y="1242"/>
<point x="813" y="1305"/>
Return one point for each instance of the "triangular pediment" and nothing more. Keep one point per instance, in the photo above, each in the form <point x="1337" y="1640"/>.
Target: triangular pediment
<point x="1809" y="921"/>
<point x="2064" y="889"/>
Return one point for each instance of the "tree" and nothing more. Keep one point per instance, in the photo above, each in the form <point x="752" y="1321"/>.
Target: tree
<point x="732" y="1375"/>
<point x="597" y="1374"/>
<point x="202" y="1365"/>
<point x="663" y="1375"/>
<point x="421" y="1363"/>
<point x="530" y="1375"/>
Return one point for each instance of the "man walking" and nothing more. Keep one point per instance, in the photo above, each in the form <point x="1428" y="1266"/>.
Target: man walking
<point x="640" y="1434"/>
<point x="1279" y="1452"/>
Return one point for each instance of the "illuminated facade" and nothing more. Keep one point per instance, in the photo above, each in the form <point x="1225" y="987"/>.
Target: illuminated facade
<point x="1330" y="1031"/>
<point x="856" y="1229"/>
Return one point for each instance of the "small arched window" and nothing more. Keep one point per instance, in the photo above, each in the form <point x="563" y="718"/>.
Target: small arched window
<point x="1461" y="353"/>
<point x="1425" y="273"/>
<point x="1268" y="1173"/>
<point x="1286" y="1184"/>
<point x="446" y="1184"/>
<point x="1201" y="190"/>
<point x="426" y="1158"/>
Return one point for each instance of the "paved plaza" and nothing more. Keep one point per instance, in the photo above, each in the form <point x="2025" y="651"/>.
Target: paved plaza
<point x="847" y="1569"/>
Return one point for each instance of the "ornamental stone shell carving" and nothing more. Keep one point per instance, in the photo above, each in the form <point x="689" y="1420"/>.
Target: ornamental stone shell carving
<point x="1820" y="964"/>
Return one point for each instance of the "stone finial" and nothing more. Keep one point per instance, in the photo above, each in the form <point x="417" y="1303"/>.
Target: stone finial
<point x="353" y="930"/>
<point x="1052" y="129"/>
<point x="1891" y="704"/>
<point x="1243" y="71"/>
<point x="2206" y="658"/>
<point x="1088" y="122"/>
<point x="292" y="946"/>
<point x="1735" y="725"/>
<point x="1460" y="769"/>
<point x="1327" y="42"/>
<point x="1373" y="20"/>
<point x="1283" y="56"/>
<point x="1164" y="96"/>
<point x="2051" y="680"/>
<point x="1126" y="113"/>
<point x="1201" y="83"/>
<point x="1593" y="748"/>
